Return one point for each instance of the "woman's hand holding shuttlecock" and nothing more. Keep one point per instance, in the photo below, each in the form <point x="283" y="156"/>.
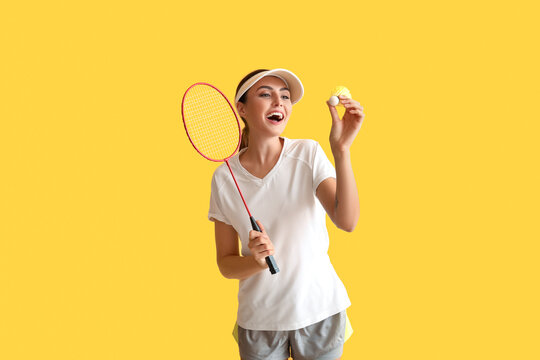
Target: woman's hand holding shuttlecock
<point x="337" y="91"/>
<point x="344" y="130"/>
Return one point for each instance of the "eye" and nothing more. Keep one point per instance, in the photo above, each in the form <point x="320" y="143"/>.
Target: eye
<point x="286" y="97"/>
<point x="264" y="95"/>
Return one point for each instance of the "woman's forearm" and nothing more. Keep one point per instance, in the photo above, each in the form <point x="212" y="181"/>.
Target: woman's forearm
<point x="238" y="267"/>
<point x="347" y="206"/>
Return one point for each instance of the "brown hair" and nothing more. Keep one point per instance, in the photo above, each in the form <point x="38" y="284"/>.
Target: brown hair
<point x="243" y="100"/>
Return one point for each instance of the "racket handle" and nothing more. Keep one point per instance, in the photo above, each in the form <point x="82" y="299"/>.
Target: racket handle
<point x="272" y="265"/>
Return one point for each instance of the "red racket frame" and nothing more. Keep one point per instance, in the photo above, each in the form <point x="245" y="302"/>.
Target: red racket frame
<point x="237" y="145"/>
<point x="269" y="259"/>
<point x="232" y="109"/>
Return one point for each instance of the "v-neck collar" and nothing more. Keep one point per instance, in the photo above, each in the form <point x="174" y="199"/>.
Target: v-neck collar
<point x="270" y="173"/>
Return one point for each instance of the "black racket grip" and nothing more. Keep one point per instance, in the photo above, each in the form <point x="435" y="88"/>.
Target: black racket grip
<point x="272" y="265"/>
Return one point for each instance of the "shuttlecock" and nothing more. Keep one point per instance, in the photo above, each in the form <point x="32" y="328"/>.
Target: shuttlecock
<point x="337" y="91"/>
<point x="334" y="100"/>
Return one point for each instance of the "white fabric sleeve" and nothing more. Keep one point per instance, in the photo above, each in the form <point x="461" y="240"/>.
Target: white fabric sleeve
<point x="322" y="167"/>
<point x="215" y="213"/>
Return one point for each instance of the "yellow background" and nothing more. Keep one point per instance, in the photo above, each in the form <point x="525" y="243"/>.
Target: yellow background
<point x="105" y="249"/>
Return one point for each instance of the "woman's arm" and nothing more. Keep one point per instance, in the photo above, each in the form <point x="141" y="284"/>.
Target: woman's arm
<point x="231" y="264"/>
<point x="339" y="196"/>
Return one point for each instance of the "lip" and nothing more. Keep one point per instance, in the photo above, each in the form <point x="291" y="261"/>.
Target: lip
<point x="273" y="121"/>
<point x="278" y="111"/>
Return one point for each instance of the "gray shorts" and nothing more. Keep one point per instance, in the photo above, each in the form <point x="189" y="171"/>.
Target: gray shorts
<point x="320" y="341"/>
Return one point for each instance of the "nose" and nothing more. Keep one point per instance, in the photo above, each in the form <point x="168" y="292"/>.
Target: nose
<point x="276" y="99"/>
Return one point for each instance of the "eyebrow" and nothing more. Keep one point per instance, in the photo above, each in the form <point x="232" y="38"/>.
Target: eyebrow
<point x="271" y="88"/>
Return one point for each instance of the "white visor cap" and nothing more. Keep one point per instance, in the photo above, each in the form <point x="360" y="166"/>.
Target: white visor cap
<point x="292" y="81"/>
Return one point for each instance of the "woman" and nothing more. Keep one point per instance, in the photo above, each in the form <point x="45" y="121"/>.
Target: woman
<point x="290" y="186"/>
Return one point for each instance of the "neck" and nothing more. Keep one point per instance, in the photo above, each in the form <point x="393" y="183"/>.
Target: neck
<point x="263" y="150"/>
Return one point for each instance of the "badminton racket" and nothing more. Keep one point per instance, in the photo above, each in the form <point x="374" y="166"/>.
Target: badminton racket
<point x="214" y="131"/>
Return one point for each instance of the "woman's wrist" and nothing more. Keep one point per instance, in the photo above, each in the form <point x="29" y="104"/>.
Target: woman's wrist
<point x="259" y="264"/>
<point x="341" y="152"/>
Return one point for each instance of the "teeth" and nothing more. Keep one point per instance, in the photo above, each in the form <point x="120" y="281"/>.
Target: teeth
<point x="277" y="114"/>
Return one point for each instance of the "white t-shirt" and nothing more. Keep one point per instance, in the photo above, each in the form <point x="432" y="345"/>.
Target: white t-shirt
<point x="307" y="288"/>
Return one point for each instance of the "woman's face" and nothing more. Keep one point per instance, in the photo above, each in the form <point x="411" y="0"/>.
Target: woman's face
<point x="268" y="106"/>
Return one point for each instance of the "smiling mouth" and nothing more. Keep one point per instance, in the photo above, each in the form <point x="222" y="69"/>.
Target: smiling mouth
<point x="275" y="117"/>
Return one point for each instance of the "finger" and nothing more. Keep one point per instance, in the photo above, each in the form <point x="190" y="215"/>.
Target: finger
<point x="351" y="107"/>
<point x="263" y="252"/>
<point x="255" y="237"/>
<point x="263" y="247"/>
<point x="350" y="101"/>
<point x="256" y="248"/>
<point x="261" y="227"/>
<point x="333" y="112"/>
<point x="264" y="239"/>
<point x="266" y="253"/>
<point x="347" y="100"/>
<point x="255" y="243"/>
<point x="260" y="241"/>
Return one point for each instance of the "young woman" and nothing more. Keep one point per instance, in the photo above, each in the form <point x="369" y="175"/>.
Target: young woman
<point x="290" y="186"/>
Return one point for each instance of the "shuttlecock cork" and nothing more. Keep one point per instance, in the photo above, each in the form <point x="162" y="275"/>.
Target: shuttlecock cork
<point x="337" y="91"/>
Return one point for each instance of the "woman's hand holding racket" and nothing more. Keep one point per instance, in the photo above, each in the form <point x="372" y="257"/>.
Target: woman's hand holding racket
<point x="344" y="130"/>
<point x="260" y="245"/>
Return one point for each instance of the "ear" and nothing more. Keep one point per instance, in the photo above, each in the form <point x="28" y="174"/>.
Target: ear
<point x="241" y="109"/>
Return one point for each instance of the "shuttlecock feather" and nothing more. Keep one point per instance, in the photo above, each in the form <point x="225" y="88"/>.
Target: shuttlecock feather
<point x="341" y="90"/>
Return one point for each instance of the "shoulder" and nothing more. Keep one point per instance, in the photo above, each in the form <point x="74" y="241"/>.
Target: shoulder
<point x="220" y="176"/>
<point x="302" y="149"/>
<point x="302" y="143"/>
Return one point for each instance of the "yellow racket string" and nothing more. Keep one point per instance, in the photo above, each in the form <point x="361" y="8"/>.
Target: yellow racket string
<point x="210" y="122"/>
